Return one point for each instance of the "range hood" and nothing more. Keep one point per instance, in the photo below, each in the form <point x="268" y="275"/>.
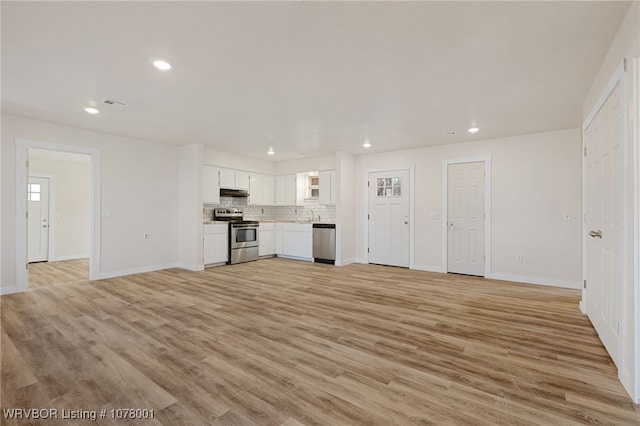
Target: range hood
<point x="225" y="192"/>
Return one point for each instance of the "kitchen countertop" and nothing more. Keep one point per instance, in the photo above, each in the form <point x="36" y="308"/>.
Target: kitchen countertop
<point x="214" y="222"/>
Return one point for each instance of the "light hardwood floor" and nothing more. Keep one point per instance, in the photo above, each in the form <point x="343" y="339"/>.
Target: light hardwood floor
<point x="43" y="274"/>
<point x="279" y="342"/>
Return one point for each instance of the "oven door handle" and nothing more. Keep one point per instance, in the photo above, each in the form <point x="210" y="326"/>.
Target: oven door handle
<point x="244" y="226"/>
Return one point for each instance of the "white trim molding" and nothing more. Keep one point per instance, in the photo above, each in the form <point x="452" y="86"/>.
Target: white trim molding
<point x="535" y="280"/>
<point x="487" y="160"/>
<point x="411" y="168"/>
<point x="22" y="171"/>
<point x="141" y="270"/>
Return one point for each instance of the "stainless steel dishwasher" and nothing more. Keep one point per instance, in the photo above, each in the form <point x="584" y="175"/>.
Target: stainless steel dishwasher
<point x="324" y="243"/>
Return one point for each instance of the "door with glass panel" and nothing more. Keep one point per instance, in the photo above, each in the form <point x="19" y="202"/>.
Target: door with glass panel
<point x="38" y="208"/>
<point x="388" y="218"/>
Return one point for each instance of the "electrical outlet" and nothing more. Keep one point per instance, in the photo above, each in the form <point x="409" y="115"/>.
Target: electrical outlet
<point x="518" y="258"/>
<point x="435" y="214"/>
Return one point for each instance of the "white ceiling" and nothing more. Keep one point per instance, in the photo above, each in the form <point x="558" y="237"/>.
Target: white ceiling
<point x="307" y="78"/>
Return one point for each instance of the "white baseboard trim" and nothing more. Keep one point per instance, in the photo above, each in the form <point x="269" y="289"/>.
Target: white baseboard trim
<point x="123" y="272"/>
<point x="428" y="268"/>
<point x="190" y="267"/>
<point x="8" y="290"/>
<point x="535" y="280"/>
<point x="71" y="257"/>
<point x="583" y="307"/>
<point x="345" y="262"/>
<point x="362" y="260"/>
<point x="306" y="259"/>
<point x="626" y="378"/>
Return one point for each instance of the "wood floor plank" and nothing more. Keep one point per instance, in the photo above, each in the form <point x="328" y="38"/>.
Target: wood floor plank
<point x="284" y="343"/>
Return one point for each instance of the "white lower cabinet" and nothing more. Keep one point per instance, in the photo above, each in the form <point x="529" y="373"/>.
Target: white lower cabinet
<point x="216" y="242"/>
<point x="267" y="239"/>
<point x="297" y="240"/>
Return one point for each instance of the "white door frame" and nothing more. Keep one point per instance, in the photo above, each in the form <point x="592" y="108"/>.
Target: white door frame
<point x="22" y="156"/>
<point x="52" y="209"/>
<point x="636" y="224"/>
<point x="411" y="168"/>
<point x="486" y="159"/>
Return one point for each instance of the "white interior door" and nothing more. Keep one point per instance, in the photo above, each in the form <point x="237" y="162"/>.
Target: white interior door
<point x="38" y="234"/>
<point x="603" y="221"/>
<point x="389" y="218"/>
<point x="465" y="218"/>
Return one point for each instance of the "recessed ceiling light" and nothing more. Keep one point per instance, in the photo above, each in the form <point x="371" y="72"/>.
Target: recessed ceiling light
<point x="473" y="130"/>
<point x="366" y="144"/>
<point x="161" y="64"/>
<point x="92" y="110"/>
<point x="271" y="151"/>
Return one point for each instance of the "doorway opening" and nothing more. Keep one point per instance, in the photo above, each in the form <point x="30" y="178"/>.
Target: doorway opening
<point x="56" y="241"/>
<point x="59" y="215"/>
<point x="466" y="219"/>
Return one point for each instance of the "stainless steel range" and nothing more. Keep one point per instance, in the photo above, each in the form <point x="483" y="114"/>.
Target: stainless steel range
<point x="243" y="235"/>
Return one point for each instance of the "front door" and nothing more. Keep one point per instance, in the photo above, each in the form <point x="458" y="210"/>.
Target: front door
<point x="389" y="218"/>
<point x="603" y="208"/>
<point x="38" y="199"/>
<point x="465" y="218"/>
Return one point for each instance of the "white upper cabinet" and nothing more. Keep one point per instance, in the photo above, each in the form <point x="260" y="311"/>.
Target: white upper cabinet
<point x="242" y="180"/>
<point x="286" y="190"/>
<point x="234" y="179"/>
<point x="211" y="185"/>
<point x="268" y="190"/>
<point x="255" y="189"/>
<point x="327" y="187"/>
<point x="261" y="190"/>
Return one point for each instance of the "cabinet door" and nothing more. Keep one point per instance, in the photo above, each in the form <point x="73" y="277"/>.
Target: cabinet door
<point x="267" y="243"/>
<point x="227" y="178"/>
<point x="215" y="248"/>
<point x="325" y="187"/>
<point x="210" y="185"/>
<point x="280" y="190"/>
<point x="242" y="180"/>
<point x="297" y="244"/>
<point x="268" y="190"/>
<point x="255" y="190"/>
<point x="278" y="237"/>
<point x="291" y="189"/>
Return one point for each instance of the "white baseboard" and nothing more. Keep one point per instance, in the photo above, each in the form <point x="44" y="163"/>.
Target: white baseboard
<point x="626" y="378"/>
<point x="123" y="272"/>
<point x="71" y="257"/>
<point x="428" y="268"/>
<point x="362" y="260"/>
<point x="583" y="307"/>
<point x="535" y="280"/>
<point x="190" y="267"/>
<point x="8" y="290"/>
<point x="345" y="262"/>
<point x="306" y="259"/>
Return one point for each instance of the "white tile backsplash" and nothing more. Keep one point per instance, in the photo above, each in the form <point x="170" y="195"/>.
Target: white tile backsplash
<point x="311" y="207"/>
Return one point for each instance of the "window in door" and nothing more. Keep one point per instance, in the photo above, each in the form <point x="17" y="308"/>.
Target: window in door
<point x="389" y="187"/>
<point x="33" y="192"/>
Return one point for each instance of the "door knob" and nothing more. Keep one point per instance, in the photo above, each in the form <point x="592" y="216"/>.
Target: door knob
<point x="595" y="234"/>
<point x="406" y="222"/>
<point x="450" y="223"/>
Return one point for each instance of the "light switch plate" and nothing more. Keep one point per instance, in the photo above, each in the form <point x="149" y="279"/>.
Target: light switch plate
<point x="105" y="213"/>
<point x="435" y="214"/>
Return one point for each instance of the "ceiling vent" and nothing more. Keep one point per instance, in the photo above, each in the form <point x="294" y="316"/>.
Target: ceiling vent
<point x="114" y="103"/>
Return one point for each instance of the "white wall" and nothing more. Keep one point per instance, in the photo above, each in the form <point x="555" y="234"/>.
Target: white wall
<point x="70" y="220"/>
<point x="327" y="162"/>
<point x="238" y="162"/>
<point x="626" y="45"/>
<point x="536" y="178"/>
<point x="346" y="208"/>
<point x="139" y="187"/>
<point x="190" y="208"/>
